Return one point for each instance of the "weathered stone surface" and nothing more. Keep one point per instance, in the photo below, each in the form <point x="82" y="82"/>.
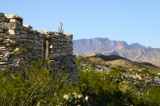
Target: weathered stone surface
<point x="31" y="36"/>
<point x="10" y="31"/>
<point x="3" y="25"/>
<point x="2" y="47"/>
<point x="27" y="26"/>
<point x="36" y="37"/>
<point x="63" y="53"/>
<point x="6" y="25"/>
<point x="15" y="59"/>
<point x="23" y="36"/>
<point x="7" y="54"/>
<point x="49" y="32"/>
<point x="55" y="55"/>
<point x="13" y="35"/>
<point x="3" y="59"/>
<point x="30" y="40"/>
<point x="15" y="21"/>
<point x="10" y="41"/>
<point x="12" y="26"/>
<point x="1" y="14"/>
<point x="23" y="31"/>
<point x="29" y="45"/>
<point x="3" y="19"/>
<point x="4" y="63"/>
<point x="69" y="53"/>
<point x="3" y="66"/>
<point x="10" y="16"/>
<point x="1" y="30"/>
<point x="58" y="50"/>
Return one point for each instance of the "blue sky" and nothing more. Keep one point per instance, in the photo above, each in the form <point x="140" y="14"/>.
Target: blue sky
<point x="125" y="20"/>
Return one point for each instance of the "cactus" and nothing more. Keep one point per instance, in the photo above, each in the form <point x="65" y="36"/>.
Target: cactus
<point x="60" y="30"/>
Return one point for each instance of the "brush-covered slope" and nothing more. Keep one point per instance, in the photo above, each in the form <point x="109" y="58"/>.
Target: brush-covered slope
<point x="114" y="60"/>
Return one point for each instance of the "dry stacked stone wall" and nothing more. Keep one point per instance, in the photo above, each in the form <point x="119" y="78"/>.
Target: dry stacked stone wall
<point x="14" y="35"/>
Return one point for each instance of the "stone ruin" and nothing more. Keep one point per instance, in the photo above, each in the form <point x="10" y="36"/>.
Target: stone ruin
<point x="37" y="44"/>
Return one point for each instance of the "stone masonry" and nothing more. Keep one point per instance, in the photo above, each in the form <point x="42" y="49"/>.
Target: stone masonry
<point x="36" y="44"/>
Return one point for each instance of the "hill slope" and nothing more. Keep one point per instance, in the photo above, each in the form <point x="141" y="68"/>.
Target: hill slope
<point x="115" y="60"/>
<point x="135" y="51"/>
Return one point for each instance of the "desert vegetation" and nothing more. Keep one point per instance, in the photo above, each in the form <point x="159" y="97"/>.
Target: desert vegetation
<point x="98" y="84"/>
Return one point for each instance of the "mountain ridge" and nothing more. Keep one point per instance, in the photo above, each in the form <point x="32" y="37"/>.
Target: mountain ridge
<point x="133" y="51"/>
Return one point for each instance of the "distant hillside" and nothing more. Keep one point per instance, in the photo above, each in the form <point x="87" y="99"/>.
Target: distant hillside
<point x="120" y="61"/>
<point x="135" y="51"/>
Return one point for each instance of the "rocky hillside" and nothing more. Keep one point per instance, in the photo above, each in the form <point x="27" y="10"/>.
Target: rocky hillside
<point x="135" y="51"/>
<point x="114" y="60"/>
<point x="101" y="71"/>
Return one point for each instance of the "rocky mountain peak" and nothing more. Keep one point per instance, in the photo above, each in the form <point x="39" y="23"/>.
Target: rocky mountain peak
<point x="134" y="51"/>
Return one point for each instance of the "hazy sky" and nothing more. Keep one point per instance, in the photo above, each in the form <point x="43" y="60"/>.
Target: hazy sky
<point x="125" y="20"/>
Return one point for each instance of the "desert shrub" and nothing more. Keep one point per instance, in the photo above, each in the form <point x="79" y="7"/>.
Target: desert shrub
<point x="34" y="86"/>
<point x="102" y="90"/>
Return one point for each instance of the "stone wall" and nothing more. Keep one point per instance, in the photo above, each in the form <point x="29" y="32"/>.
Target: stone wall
<point x="36" y="44"/>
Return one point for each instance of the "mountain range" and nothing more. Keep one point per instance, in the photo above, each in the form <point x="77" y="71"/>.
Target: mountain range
<point x="134" y="51"/>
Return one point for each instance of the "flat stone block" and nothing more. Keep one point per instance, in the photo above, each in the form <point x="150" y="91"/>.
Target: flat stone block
<point x="4" y="63"/>
<point x="2" y="47"/>
<point x="40" y="55"/>
<point x="3" y="25"/>
<point x="10" y="42"/>
<point x="63" y="53"/>
<point x="69" y="35"/>
<point x="36" y="37"/>
<point x="13" y="65"/>
<point x="7" y="54"/>
<point x="29" y="45"/>
<point x="15" y="21"/>
<point x="69" y="53"/>
<point x="13" y="32"/>
<point x="24" y="40"/>
<point x="31" y="41"/>
<point x="3" y="66"/>
<point x="31" y="36"/>
<point x="13" y="36"/>
<point x="14" y="59"/>
<point x="55" y="55"/>
<point x="13" y="26"/>
<point x="27" y="26"/>
<point x="6" y="25"/>
<point x="4" y="59"/>
<point x="58" y="50"/>
<point x="23" y="36"/>
<point x="23" y="32"/>
<point x="40" y="35"/>
<point x="10" y="16"/>
<point x="21" y="27"/>
<point x="50" y="32"/>
<point x="35" y="48"/>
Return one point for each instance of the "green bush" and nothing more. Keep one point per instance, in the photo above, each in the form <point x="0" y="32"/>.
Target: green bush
<point x="34" y="86"/>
